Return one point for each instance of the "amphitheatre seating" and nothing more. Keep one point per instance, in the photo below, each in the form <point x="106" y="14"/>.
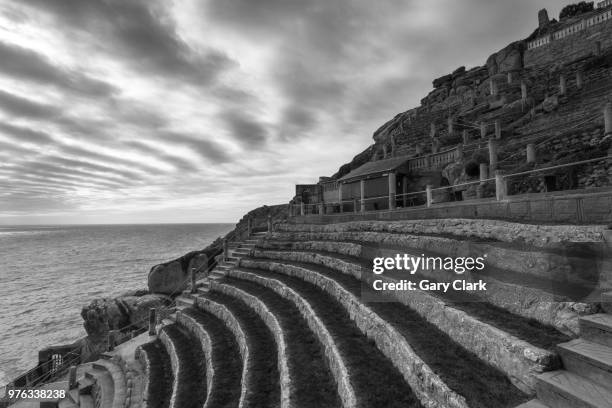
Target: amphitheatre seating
<point x="288" y="322"/>
<point x="157" y="374"/>
<point x="187" y="361"/>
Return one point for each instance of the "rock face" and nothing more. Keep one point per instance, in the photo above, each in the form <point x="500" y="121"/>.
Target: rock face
<point x="508" y="59"/>
<point x="105" y="314"/>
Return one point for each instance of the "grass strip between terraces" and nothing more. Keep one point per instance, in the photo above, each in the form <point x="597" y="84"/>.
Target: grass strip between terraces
<point x="313" y="384"/>
<point x="376" y="381"/>
<point x="482" y="385"/>
<point x="527" y="329"/>
<point x="160" y="375"/>
<point x="191" y="380"/>
<point x="264" y="391"/>
<point x="225" y="359"/>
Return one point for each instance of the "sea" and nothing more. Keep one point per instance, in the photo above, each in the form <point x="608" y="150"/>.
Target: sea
<point x="48" y="273"/>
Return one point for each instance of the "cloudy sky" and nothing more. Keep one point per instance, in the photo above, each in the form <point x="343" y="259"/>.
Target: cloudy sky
<point x="130" y="111"/>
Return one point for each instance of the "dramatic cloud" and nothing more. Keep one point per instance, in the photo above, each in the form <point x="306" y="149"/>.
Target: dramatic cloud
<point x="27" y="65"/>
<point x="199" y="110"/>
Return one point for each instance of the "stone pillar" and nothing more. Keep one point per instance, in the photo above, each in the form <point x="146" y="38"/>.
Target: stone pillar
<point x="597" y="48"/>
<point x="340" y="196"/>
<point x="302" y="210"/>
<point x="459" y="153"/>
<point x="384" y="151"/>
<point x="225" y="249"/>
<point x="498" y="129"/>
<point x="392" y="190"/>
<point x="321" y="209"/>
<point x="466" y="137"/>
<point x="493" y="87"/>
<point x="269" y="223"/>
<point x="492" y="154"/>
<point x="432" y="130"/>
<point x="193" y="280"/>
<point x="531" y="153"/>
<point x="435" y="144"/>
<point x="429" y="195"/>
<point x="484" y="171"/>
<point x="362" y="194"/>
<point x="579" y="79"/>
<point x="72" y="377"/>
<point x="608" y="118"/>
<point x="501" y="189"/>
<point x="510" y="79"/>
<point x="523" y="90"/>
<point x="110" y="341"/>
<point x="355" y="207"/>
<point x="483" y="130"/>
<point x="562" y="85"/>
<point x="250" y="223"/>
<point x="419" y="149"/>
<point x="152" y="321"/>
<point x="451" y="129"/>
<point x="543" y="19"/>
<point x="404" y="191"/>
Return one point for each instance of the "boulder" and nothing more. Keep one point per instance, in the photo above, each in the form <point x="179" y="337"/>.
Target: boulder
<point x="130" y="309"/>
<point x="443" y="80"/>
<point x="550" y="103"/>
<point x="168" y="278"/>
<point x="508" y="59"/>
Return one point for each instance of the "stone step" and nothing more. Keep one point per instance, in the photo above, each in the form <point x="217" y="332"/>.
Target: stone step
<point x="104" y="385"/>
<point x="88" y="402"/>
<point x="118" y="378"/>
<point x="184" y="301"/>
<point x="532" y="404"/>
<point x="588" y="359"/>
<point x="563" y="389"/>
<point x="597" y="328"/>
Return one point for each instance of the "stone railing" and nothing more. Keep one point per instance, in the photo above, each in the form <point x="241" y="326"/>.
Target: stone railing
<point x="495" y="190"/>
<point x="573" y="29"/>
<point x="434" y="160"/>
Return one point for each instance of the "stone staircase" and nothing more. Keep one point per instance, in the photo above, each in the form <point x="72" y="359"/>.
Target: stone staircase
<point x="586" y="380"/>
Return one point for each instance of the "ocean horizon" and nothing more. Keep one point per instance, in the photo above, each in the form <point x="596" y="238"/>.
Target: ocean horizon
<point x="49" y="272"/>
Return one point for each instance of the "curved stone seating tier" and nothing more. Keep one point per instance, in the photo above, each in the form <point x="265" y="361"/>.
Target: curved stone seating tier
<point x="155" y="361"/>
<point x="103" y="388"/>
<point x="312" y="383"/>
<point x="250" y="369"/>
<point x="119" y="386"/>
<point x="372" y="376"/>
<point x="547" y="300"/>
<point x="187" y="361"/>
<point x="496" y="230"/>
<point x="503" y="343"/>
<point x="418" y="346"/>
<point x="260" y="379"/>
<point x="223" y="361"/>
<point x="287" y="397"/>
<point x="330" y="348"/>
